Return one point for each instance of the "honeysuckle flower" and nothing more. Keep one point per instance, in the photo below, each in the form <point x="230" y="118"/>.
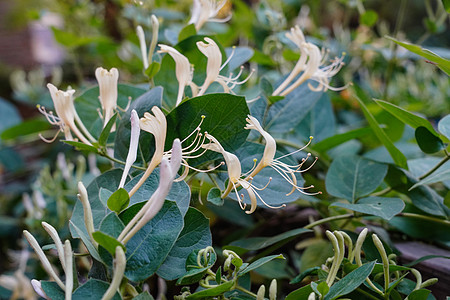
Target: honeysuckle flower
<point x="288" y="172"/>
<point x="88" y="219"/>
<point x="147" y="56"/>
<point x="337" y="240"/>
<point x="57" y="240"/>
<point x="183" y="71"/>
<point x="107" y="82"/>
<point x="155" y="124"/>
<point x="119" y="269"/>
<point x="205" y="11"/>
<point x="134" y="141"/>
<point x="273" y="290"/>
<point x="261" y="292"/>
<point x="66" y="116"/>
<point x="168" y="171"/>
<point x="68" y="255"/>
<point x="44" y="260"/>
<point x="235" y="177"/>
<point x="214" y="65"/>
<point x="310" y="61"/>
<point x="36" y="284"/>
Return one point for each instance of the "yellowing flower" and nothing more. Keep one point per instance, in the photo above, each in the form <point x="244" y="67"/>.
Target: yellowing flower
<point x="107" y="82"/>
<point x="205" y="11"/>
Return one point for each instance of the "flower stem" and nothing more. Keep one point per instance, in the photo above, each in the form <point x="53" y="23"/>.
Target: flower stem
<point x="329" y="219"/>
<point x="120" y="162"/>
<point x="439" y="164"/>
<point x="245" y="291"/>
<point x="423" y="217"/>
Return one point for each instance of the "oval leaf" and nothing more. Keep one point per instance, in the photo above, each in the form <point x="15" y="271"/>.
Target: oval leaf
<point x="119" y="200"/>
<point x="444" y="126"/>
<point x="427" y="141"/>
<point x="385" y="208"/>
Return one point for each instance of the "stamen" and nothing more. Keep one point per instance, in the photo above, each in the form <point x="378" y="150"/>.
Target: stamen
<point x="229" y="58"/>
<point x="252" y="168"/>
<point x="298" y="150"/>
<point x="264" y="187"/>
<point x="51" y="140"/>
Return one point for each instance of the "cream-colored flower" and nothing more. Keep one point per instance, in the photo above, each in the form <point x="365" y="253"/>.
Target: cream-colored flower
<point x="67" y="118"/>
<point x="206" y="11"/>
<point x="235" y="177"/>
<point x="288" y="172"/>
<point x="132" y="151"/>
<point x="311" y="63"/>
<point x="107" y="82"/>
<point x="214" y="65"/>
<point x="183" y="71"/>
<point x="147" y="56"/>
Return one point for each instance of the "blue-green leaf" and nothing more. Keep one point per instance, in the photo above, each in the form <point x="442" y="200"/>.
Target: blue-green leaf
<point x="382" y="207"/>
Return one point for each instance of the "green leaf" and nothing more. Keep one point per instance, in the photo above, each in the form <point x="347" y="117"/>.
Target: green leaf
<point x="352" y="177"/>
<point x="241" y="55"/>
<point x="442" y="63"/>
<point x="417" y="261"/>
<point x="215" y="197"/>
<point x="211" y="292"/>
<point x="300" y="294"/>
<point x="444" y="126"/>
<point x="142" y="104"/>
<point x="82" y="146"/>
<point x="225" y="119"/>
<point x="219" y="275"/>
<point x="421" y="294"/>
<point x="52" y="290"/>
<point x="257" y="243"/>
<point x="339" y="139"/>
<point x="119" y="200"/>
<point x="350" y="282"/>
<point x="194" y="272"/>
<point x="195" y="235"/>
<point x="27" y="127"/>
<point x="258" y="263"/>
<point x="93" y="289"/>
<point x="108" y="242"/>
<point x="406" y="117"/>
<point x="427" y="141"/>
<point x="323" y="288"/>
<point x="153" y="69"/>
<point x="188" y="31"/>
<point x="72" y="40"/>
<point x="422" y="229"/>
<point x="265" y="86"/>
<point x="275" y="99"/>
<point x="396" y="155"/>
<point x="446" y="4"/>
<point x="382" y="207"/>
<point x="368" y="18"/>
<point x="107" y="131"/>
<point x="315" y="254"/>
<point x="299" y="278"/>
<point x="149" y="247"/>
<point x="440" y="176"/>
<point x="9" y="115"/>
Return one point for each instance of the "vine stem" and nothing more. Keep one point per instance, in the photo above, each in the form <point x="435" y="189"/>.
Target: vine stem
<point x="120" y="162"/>
<point x="439" y="164"/>
<point x="245" y="291"/>
<point x="428" y="218"/>
<point x="329" y="219"/>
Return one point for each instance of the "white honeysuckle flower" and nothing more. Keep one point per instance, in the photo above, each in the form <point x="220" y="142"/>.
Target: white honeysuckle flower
<point x="68" y="255"/>
<point x="183" y="71"/>
<point x="87" y="211"/>
<point x="66" y="116"/>
<point x="58" y="244"/>
<point x="168" y="171"/>
<point x="235" y="177"/>
<point x="36" y="284"/>
<point x="132" y="151"/>
<point x="155" y="124"/>
<point x="147" y="56"/>
<point x="120" y="263"/>
<point x="214" y="65"/>
<point x="288" y="172"/>
<point x="310" y="61"/>
<point x="107" y="82"/>
<point x="206" y="11"/>
<point x="273" y="290"/>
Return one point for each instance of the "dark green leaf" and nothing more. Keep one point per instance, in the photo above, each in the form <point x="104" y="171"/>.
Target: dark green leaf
<point x="219" y="275"/>
<point x="382" y="207"/>
<point x="352" y="177"/>
<point x="300" y="294"/>
<point x="421" y="294"/>
<point x="396" y="155"/>
<point x="93" y="289"/>
<point x="302" y="275"/>
<point x="195" y="235"/>
<point x="440" y="176"/>
<point x="153" y="69"/>
<point x="82" y="146"/>
<point x="52" y="290"/>
<point x="422" y="229"/>
<point x="425" y="258"/>
<point x="149" y="247"/>
<point x="257" y="243"/>
<point x="106" y="131"/>
<point x="427" y="141"/>
<point x="350" y="282"/>
<point x="26" y="127"/>
<point x="446" y="5"/>
<point x="143" y="296"/>
<point x="258" y="263"/>
<point x="119" y="200"/>
<point x="275" y="99"/>
<point x="214" y="196"/>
